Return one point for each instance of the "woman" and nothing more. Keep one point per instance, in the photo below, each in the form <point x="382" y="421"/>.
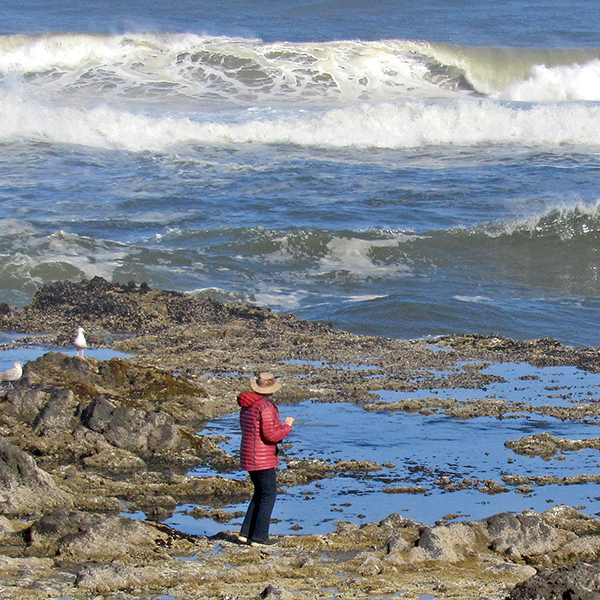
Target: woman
<point x="261" y="431"/>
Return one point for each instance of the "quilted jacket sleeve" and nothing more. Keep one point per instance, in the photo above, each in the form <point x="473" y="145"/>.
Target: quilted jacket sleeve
<point x="271" y="428"/>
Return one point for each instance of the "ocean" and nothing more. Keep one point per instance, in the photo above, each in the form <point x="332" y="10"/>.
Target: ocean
<point x="407" y="169"/>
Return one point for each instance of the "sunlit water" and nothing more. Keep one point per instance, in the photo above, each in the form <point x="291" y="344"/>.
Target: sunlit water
<point x="423" y="449"/>
<point x="416" y="450"/>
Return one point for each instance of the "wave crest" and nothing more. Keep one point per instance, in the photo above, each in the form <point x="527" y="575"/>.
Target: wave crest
<point x="568" y="223"/>
<point x="178" y="67"/>
<point x="497" y="71"/>
<point x="386" y="126"/>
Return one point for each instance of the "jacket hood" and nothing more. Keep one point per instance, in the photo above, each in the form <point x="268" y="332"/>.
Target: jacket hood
<point x="246" y="399"/>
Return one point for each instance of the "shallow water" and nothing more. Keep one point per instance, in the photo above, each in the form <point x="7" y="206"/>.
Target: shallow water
<point x="32" y="351"/>
<point x="422" y="449"/>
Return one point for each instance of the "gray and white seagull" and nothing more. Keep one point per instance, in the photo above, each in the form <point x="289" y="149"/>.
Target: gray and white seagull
<point x="12" y="375"/>
<point x="80" y="342"/>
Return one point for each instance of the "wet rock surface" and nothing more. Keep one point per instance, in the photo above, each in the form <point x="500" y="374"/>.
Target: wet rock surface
<point x="82" y="439"/>
<point x="579" y="582"/>
<point x="25" y="487"/>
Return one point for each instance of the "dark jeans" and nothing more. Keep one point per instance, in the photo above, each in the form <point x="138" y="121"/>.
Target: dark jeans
<point x="258" y="517"/>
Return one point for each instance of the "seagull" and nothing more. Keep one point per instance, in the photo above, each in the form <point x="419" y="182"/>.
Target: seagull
<point x="80" y="342"/>
<point x="13" y="374"/>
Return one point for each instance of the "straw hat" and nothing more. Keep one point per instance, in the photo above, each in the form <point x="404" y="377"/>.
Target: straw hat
<point x="265" y="383"/>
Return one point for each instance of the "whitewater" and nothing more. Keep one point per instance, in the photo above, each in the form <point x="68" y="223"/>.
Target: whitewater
<point x="404" y="171"/>
<point x="153" y="92"/>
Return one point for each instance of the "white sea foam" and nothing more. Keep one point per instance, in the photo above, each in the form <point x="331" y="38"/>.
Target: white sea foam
<point x="171" y="67"/>
<point x="37" y="259"/>
<point x="563" y="220"/>
<point x="30" y="53"/>
<point x="388" y="125"/>
<point x="573" y="82"/>
<point x="353" y="256"/>
<point x="15" y="228"/>
<point x="156" y="92"/>
<point x="472" y="299"/>
<point x="232" y="70"/>
<point x="222" y="295"/>
<point x="364" y="298"/>
<point x="284" y="300"/>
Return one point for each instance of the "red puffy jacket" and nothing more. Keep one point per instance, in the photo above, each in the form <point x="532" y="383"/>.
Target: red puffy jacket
<point x="261" y="430"/>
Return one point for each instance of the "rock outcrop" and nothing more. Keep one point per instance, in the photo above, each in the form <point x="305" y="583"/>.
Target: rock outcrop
<point x="25" y="488"/>
<point x="578" y="582"/>
<point x="82" y="440"/>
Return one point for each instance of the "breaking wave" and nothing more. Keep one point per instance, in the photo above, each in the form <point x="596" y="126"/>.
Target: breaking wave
<point x="389" y="126"/>
<point x="563" y="223"/>
<point x="154" y="92"/>
<point x="561" y="243"/>
<point x="237" y="71"/>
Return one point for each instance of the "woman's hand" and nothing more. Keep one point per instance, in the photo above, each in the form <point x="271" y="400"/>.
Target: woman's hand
<point x="289" y="421"/>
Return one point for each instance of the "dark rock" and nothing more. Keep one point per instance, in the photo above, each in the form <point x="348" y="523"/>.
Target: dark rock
<point x="578" y="582"/>
<point x="449" y="543"/>
<point x="273" y="591"/>
<point x="25" y="488"/>
<point x="156" y="508"/>
<point x="431" y="542"/>
<point x="98" y="414"/>
<point x="105" y="306"/>
<point x="89" y="536"/>
<point x="25" y="404"/>
<point x="491" y="487"/>
<point x="132" y="429"/>
<point x="397" y="521"/>
<point x="57" y="414"/>
<point x="123" y="381"/>
<point x="395" y="543"/>
<point x="547" y="445"/>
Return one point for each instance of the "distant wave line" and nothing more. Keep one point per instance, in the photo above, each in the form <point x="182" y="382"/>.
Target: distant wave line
<point x="239" y="70"/>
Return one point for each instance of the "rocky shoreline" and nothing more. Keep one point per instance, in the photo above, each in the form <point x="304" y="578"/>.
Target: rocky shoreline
<point x="80" y="440"/>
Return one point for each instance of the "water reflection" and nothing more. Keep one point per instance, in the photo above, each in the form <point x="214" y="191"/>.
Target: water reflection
<point x="419" y="450"/>
<point x="32" y="351"/>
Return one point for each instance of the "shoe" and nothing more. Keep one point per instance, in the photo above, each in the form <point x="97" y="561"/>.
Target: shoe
<point x="260" y="543"/>
<point x="242" y="539"/>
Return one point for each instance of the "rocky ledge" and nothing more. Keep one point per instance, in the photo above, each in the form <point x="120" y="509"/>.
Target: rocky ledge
<point x="81" y="440"/>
